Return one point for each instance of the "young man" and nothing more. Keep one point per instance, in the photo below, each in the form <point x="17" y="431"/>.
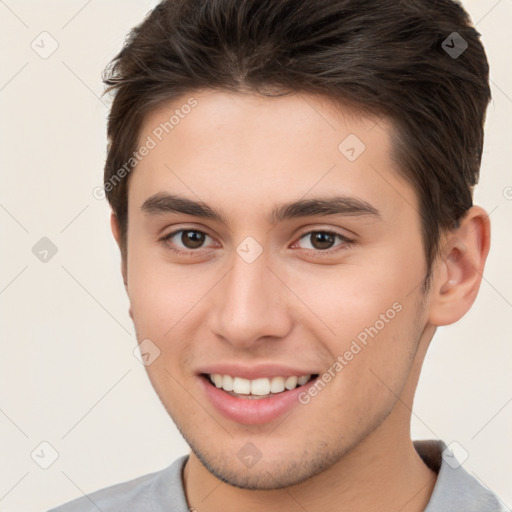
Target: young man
<point x="291" y="185"/>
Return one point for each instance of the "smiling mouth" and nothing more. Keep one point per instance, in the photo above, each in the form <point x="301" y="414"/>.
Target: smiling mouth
<point x="265" y="387"/>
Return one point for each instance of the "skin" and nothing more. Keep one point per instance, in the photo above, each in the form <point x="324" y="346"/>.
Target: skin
<point x="349" y="448"/>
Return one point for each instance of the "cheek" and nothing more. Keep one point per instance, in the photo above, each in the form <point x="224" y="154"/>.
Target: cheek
<point x="160" y="293"/>
<point x="347" y="299"/>
<point x="366" y="316"/>
<point x="373" y="364"/>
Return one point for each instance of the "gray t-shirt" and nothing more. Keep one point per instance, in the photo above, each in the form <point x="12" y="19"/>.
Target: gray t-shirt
<point x="455" y="489"/>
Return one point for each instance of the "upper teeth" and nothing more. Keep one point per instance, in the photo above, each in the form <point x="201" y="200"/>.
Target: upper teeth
<point x="262" y="386"/>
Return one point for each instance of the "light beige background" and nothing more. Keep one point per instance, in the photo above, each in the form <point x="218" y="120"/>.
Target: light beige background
<point x="68" y="373"/>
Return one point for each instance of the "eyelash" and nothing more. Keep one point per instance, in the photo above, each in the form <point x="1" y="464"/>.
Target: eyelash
<point x="346" y="242"/>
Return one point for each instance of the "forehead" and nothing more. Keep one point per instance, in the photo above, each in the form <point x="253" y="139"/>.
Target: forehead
<point x="250" y="151"/>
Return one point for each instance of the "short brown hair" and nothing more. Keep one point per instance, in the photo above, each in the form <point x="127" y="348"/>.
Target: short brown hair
<point x="388" y="57"/>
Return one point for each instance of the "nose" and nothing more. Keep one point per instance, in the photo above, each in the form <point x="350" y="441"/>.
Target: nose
<point x="251" y="304"/>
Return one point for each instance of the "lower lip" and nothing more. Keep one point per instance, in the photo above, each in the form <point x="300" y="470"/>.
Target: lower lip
<point x="253" y="411"/>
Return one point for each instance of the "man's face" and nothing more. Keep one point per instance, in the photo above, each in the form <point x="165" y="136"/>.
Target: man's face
<point x="251" y="296"/>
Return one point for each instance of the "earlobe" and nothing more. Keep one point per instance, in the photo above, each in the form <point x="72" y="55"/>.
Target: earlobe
<point x="459" y="268"/>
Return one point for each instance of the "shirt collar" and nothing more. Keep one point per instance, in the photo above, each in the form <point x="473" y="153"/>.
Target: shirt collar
<point x="455" y="488"/>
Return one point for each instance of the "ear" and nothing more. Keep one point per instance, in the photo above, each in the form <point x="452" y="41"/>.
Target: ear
<point x="116" y="231"/>
<point x="459" y="268"/>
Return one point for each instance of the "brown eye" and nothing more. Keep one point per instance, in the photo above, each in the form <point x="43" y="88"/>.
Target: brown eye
<point x="323" y="240"/>
<point x="185" y="240"/>
<point x="192" y="239"/>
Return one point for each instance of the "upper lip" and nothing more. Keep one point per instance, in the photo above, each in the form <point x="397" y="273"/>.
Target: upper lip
<point x="255" y="371"/>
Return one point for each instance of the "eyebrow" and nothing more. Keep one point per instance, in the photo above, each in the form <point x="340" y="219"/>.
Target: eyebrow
<point x="162" y="203"/>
